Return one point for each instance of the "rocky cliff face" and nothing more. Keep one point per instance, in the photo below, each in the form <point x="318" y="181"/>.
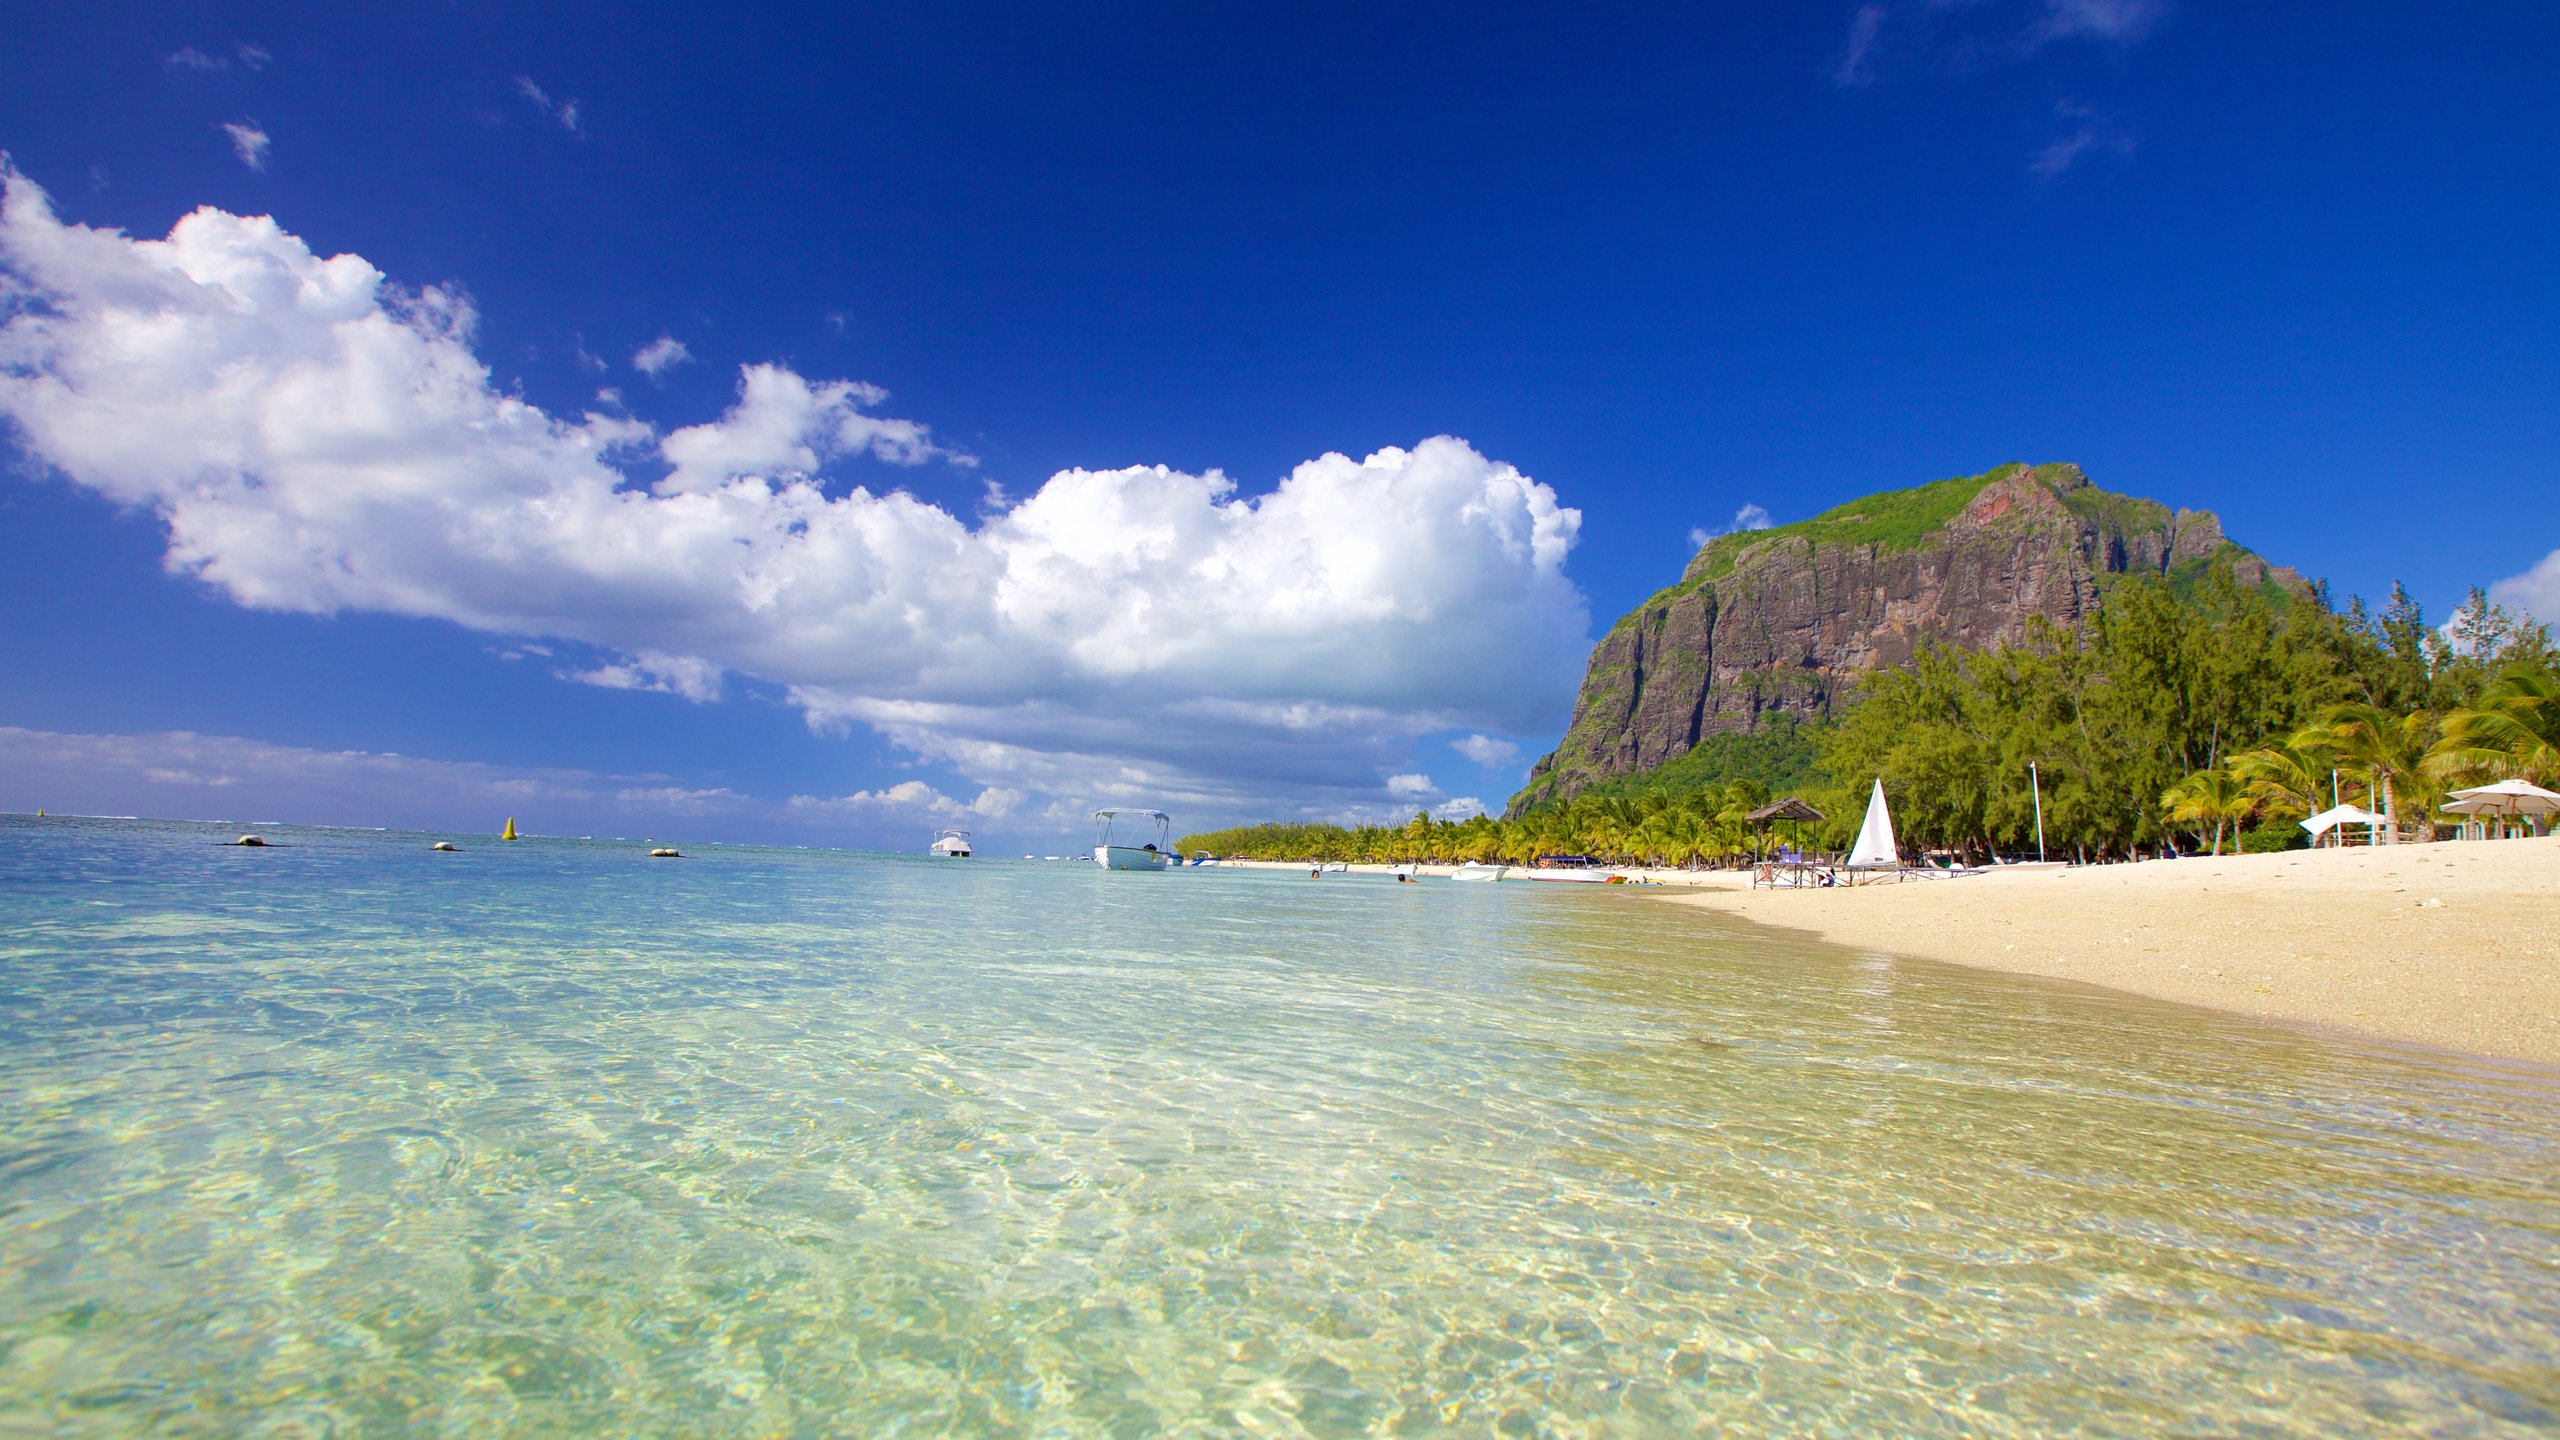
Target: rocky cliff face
<point x="1783" y="621"/>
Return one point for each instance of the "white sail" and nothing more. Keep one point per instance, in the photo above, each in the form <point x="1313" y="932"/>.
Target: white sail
<point x="1875" y="850"/>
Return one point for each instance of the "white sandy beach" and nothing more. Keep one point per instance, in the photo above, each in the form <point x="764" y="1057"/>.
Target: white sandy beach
<point x="2450" y="944"/>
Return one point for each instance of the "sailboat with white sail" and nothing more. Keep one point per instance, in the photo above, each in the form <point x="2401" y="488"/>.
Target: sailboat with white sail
<point x="1875" y="851"/>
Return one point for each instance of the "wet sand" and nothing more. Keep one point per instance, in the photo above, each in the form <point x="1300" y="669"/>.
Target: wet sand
<point x="2451" y="944"/>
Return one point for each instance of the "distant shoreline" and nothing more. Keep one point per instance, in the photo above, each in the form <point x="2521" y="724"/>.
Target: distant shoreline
<point x="2338" y="938"/>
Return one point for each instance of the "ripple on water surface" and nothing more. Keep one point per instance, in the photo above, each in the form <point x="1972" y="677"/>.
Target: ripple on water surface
<point x="346" y="1137"/>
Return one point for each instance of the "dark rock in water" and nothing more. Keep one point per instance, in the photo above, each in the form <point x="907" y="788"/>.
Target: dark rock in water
<point x="446" y="845"/>
<point x="250" y="840"/>
<point x="1783" y="622"/>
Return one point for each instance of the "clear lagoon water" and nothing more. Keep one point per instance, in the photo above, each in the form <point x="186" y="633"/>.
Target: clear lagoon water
<point x="344" y="1137"/>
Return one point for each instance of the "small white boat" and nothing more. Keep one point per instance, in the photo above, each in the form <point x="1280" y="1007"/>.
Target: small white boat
<point x="1202" y="860"/>
<point x="1478" y="870"/>
<point x="1154" y="855"/>
<point x="951" y="845"/>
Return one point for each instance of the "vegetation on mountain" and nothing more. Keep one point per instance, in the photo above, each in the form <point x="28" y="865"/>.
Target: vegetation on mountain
<point x="1782" y="626"/>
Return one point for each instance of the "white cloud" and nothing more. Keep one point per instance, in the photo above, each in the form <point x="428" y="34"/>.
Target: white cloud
<point x="1970" y="37"/>
<point x="164" y="775"/>
<point x="915" y="796"/>
<point x="1856" y="65"/>
<point x="189" y="776"/>
<point x="563" y="111"/>
<point x="660" y="356"/>
<point x="189" y="58"/>
<point x="2536" y="592"/>
<point x="181" y="775"/>
<point x="1749" y="517"/>
<point x="783" y="425"/>
<point x="1465" y="807"/>
<point x="2110" y="22"/>
<point x="2087" y="132"/>
<point x="249" y="141"/>
<point x="695" y="680"/>
<point x="1485" y="750"/>
<point x="316" y="439"/>
<point x="1411" y="787"/>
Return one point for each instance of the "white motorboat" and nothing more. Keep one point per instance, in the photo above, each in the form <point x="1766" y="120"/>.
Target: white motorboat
<point x="951" y="845"/>
<point x="1154" y="855"/>
<point x="1478" y="870"/>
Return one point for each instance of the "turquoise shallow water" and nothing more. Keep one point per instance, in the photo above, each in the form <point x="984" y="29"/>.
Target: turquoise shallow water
<point x="348" y="1138"/>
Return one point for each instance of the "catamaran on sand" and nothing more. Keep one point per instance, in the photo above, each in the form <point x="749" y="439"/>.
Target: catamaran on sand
<point x="1154" y="855"/>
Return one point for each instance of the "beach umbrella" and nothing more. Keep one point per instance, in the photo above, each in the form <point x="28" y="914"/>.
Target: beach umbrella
<point x="2330" y="819"/>
<point x="2507" y="797"/>
<point x="1874" y="850"/>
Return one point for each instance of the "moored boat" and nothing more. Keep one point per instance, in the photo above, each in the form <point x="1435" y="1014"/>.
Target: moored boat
<point x="1156" y="854"/>
<point x="1478" y="870"/>
<point x="951" y="845"/>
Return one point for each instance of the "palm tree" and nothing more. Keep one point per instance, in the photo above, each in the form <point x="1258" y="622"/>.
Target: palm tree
<point x="2392" y="748"/>
<point x="2511" y="731"/>
<point x="2210" y="797"/>
<point x="2290" y="776"/>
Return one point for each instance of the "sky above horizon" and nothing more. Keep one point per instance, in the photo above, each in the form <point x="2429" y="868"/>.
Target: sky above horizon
<point x="824" y="427"/>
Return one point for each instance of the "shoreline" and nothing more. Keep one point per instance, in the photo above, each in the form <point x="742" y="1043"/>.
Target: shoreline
<point x="2344" y="940"/>
<point x="2454" y="944"/>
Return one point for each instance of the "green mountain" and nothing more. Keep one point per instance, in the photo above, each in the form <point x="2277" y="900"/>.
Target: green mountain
<point x="1768" y="628"/>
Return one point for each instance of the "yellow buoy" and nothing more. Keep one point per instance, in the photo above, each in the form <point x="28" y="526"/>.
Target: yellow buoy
<point x="510" y="832"/>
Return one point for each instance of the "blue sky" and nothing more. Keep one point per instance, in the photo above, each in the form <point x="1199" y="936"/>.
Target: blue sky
<point x="275" y="550"/>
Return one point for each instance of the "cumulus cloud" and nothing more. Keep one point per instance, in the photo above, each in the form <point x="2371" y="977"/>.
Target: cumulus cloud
<point x="2536" y="592"/>
<point x="1486" y="751"/>
<point x="660" y="356"/>
<point x="184" y="775"/>
<point x="695" y="680"/>
<point x="1465" y="807"/>
<point x="315" y="438"/>
<point x="914" y="797"/>
<point x="248" y="141"/>
<point x="1749" y="517"/>
<point x="783" y="425"/>
<point x="1411" y="787"/>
